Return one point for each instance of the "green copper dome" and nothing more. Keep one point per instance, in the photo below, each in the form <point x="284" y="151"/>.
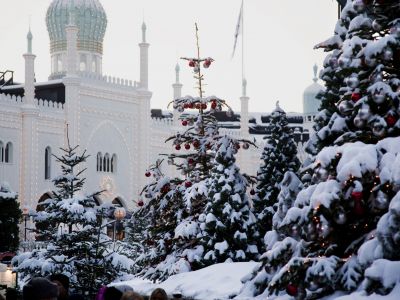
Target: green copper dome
<point x="88" y="15"/>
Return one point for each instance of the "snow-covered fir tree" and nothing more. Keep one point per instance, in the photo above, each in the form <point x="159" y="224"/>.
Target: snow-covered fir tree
<point x="279" y="155"/>
<point x="10" y="216"/>
<point x="72" y="226"/>
<point x="175" y="204"/>
<point x="227" y="224"/>
<point x="344" y="234"/>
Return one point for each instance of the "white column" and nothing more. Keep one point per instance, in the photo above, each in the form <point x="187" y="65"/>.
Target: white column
<point x="244" y="111"/>
<point x="177" y="86"/>
<point x="144" y="60"/>
<point x="29" y="147"/>
<point x="72" y="83"/>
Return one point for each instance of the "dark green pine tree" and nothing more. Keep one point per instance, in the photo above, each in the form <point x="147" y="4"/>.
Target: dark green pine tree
<point x="73" y="227"/>
<point x="279" y="155"/>
<point x="10" y="216"/>
<point x="227" y="224"/>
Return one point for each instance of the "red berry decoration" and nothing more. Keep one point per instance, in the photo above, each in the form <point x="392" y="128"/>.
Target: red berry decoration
<point x="147" y="174"/>
<point x="178" y="147"/>
<point x="188" y="184"/>
<point x="198" y="106"/>
<point x="252" y="192"/>
<point x="191" y="105"/>
<point x="391" y="120"/>
<point x="184" y="123"/>
<point x="185" y="105"/>
<point x="292" y="290"/>
<point x="238" y="146"/>
<point x="355" y="97"/>
<point x="190" y="161"/>
<point x="208" y="146"/>
<point x="187" y="146"/>
<point x="192" y="63"/>
<point x="214" y="105"/>
<point x="196" y="144"/>
<point x="204" y="106"/>
<point x="140" y="203"/>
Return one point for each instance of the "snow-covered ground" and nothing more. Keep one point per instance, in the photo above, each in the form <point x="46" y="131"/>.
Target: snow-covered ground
<point x="222" y="281"/>
<point x="219" y="281"/>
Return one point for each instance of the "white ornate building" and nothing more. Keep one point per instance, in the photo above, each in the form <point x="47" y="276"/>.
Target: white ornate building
<point x="109" y="117"/>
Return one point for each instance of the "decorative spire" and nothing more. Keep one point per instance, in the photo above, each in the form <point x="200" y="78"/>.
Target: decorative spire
<point x="144" y="27"/>
<point x="29" y="37"/>
<point x="244" y="87"/>
<point x="177" y="69"/>
<point x="71" y="21"/>
<point x="315" y="79"/>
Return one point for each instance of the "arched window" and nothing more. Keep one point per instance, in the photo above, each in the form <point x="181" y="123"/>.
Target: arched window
<point x="94" y="64"/>
<point x="114" y="163"/>
<point x="1" y="151"/>
<point x="9" y="153"/>
<point x="99" y="162"/>
<point x="83" y="63"/>
<point x="59" y="63"/>
<point x="106" y="166"/>
<point x="47" y="163"/>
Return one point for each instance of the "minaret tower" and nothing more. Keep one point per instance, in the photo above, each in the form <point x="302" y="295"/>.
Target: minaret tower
<point x="177" y="86"/>
<point x="72" y="82"/>
<point x="244" y="111"/>
<point x="30" y="114"/>
<point x="144" y="60"/>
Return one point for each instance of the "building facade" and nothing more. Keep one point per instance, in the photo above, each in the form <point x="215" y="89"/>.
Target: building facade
<point x="108" y="117"/>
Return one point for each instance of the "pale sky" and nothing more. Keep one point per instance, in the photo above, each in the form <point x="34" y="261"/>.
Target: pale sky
<point x="279" y="37"/>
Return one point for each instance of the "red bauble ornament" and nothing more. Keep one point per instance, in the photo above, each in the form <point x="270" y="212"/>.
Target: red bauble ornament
<point x="190" y="161"/>
<point x="252" y="192"/>
<point x="198" y="106"/>
<point x="292" y="290"/>
<point x="214" y="105"/>
<point x="185" y="105"/>
<point x="358" y="206"/>
<point x="207" y="63"/>
<point x="140" y="203"/>
<point x="184" y="123"/>
<point x="390" y="120"/>
<point x="191" y="105"/>
<point x="192" y="63"/>
<point x="165" y="189"/>
<point x="196" y="144"/>
<point x="356" y="195"/>
<point x="147" y="174"/>
<point x="188" y="184"/>
<point x="204" y="106"/>
<point x="178" y="147"/>
<point x="237" y="146"/>
<point x="187" y="146"/>
<point x="355" y="97"/>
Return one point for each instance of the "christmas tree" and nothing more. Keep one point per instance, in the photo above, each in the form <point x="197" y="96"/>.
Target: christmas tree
<point x="10" y="215"/>
<point x="72" y="225"/>
<point x="175" y="204"/>
<point x="227" y="223"/>
<point x="342" y="232"/>
<point x="278" y="156"/>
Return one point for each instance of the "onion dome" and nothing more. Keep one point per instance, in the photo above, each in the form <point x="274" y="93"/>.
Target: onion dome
<point x="310" y="102"/>
<point x="88" y="15"/>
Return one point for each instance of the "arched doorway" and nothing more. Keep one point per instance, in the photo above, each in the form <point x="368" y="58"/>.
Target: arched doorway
<point x="117" y="230"/>
<point x="39" y="208"/>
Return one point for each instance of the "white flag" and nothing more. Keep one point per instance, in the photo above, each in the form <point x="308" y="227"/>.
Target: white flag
<point x="237" y="31"/>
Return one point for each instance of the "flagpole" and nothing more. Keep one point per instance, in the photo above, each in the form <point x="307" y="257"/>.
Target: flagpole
<point x="242" y="41"/>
